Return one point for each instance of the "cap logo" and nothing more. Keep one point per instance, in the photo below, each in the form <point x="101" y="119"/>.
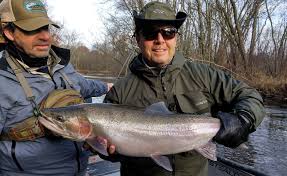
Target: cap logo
<point x="34" y="6"/>
<point x="158" y="11"/>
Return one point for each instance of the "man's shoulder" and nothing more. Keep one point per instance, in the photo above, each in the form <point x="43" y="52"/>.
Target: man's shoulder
<point x="196" y="63"/>
<point x="127" y="80"/>
<point x="204" y="65"/>
<point x="195" y="66"/>
<point x="127" y="83"/>
<point x="126" y="90"/>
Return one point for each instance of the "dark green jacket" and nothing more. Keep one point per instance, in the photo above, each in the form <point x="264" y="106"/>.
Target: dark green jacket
<point x="185" y="87"/>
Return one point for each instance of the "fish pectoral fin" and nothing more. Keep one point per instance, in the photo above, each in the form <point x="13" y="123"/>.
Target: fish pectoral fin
<point x="99" y="144"/>
<point x="208" y="151"/>
<point x="162" y="161"/>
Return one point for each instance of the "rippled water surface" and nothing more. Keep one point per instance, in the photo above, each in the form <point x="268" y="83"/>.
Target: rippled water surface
<point x="267" y="147"/>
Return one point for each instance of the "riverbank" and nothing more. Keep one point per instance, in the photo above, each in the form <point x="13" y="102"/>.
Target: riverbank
<point x="273" y="89"/>
<point x="278" y="99"/>
<point x="274" y="93"/>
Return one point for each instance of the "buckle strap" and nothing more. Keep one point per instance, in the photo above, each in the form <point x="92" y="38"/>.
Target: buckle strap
<point x="24" y="83"/>
<point x="28" y="130"/>
<point x="19" y="74"/>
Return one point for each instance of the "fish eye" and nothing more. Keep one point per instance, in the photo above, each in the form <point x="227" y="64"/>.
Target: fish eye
<point x="60" y="118"/>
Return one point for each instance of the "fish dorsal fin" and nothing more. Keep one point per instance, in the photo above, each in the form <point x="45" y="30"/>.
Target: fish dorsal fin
<point x="162" y="161"/>
<point x="157" y="108"/>
<point x="208" y="151"/>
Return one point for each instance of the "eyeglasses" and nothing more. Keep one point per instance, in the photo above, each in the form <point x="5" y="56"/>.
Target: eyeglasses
<point x="166" y="32"/>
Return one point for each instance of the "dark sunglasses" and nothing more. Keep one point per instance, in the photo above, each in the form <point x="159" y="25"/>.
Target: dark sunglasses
<point x="166" y="32"/>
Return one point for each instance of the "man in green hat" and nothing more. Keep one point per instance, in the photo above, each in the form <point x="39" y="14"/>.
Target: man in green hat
<point x="33" y="72"/>
<point x="160" y="73"/>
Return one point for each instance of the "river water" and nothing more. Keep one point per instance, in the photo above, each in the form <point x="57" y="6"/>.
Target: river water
<point x="266" y="150"/>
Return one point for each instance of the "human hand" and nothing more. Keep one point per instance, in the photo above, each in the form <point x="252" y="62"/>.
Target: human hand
<point x="234" y="129"/>
<point x="110" y="85"/>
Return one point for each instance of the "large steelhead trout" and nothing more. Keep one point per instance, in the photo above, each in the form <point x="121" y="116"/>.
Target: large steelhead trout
<point x="150" y="132"/>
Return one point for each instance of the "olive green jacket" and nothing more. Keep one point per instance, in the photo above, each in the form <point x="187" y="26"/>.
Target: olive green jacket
<point x="185" y="87"/>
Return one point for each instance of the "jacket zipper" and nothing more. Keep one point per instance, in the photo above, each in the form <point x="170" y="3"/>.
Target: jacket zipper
<point x="78" y="157"/>
<point x="13" y="154"/>
<point x="165" y="97"/>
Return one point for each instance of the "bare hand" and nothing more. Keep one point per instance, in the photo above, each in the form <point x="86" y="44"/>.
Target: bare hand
<point x="110" y="85"/>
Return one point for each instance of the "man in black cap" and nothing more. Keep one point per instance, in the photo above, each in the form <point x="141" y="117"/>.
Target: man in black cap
<point x="160" y="73"/>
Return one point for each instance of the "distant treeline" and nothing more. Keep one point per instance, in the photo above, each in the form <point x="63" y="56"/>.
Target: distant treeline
<point x="246" y="37"/>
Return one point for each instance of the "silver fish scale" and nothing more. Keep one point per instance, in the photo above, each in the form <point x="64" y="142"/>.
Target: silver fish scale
<point x="137" y="134"/>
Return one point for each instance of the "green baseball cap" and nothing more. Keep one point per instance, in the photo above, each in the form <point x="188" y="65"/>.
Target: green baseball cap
<point x="28" y="15"/>
<point x="158" y="13"/>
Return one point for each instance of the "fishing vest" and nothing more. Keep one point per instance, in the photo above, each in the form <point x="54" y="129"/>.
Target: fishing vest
<point x="30" y="128"/>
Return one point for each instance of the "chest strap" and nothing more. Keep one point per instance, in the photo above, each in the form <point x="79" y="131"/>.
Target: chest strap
<point x="53" y="54"/>
<point x="67" y="79"/>
<point x="17" y="69"/>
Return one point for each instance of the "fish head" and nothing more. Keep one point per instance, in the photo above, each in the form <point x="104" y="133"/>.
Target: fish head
<point x="68" y="124"/>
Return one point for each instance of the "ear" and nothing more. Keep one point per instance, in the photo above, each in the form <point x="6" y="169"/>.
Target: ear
<point x="9" y="34"/>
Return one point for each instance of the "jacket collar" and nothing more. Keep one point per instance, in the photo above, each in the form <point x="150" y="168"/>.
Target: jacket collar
<point x="139" y="67"/>
<point x="62" y="53"/>
<point x="151" y="74"/>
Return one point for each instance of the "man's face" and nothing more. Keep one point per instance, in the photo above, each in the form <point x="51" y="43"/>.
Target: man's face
<point x="157" y="44"/>
<point x="35" y="43"/>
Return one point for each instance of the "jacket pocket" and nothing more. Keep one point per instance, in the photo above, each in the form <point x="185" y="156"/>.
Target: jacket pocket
<point x="194" y="102"/>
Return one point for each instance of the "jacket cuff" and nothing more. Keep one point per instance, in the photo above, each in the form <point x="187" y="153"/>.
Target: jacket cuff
<point x="246" y="117"/>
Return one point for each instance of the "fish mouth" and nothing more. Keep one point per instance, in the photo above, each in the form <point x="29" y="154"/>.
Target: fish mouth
<point x="78" y="131"/>
<point x="49" y="124"/>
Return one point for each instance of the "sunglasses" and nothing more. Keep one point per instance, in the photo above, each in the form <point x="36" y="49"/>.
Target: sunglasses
<point x="166" y="32"/>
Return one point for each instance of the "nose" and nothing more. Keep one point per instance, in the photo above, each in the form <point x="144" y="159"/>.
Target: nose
<point x="159" y="39"/>
<point x="44" y="34"/>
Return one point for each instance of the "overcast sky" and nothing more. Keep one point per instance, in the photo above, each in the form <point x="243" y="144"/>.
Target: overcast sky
<point x="84" y="16"/>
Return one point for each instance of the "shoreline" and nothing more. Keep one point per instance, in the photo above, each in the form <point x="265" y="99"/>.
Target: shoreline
<point x="277" y="101"/>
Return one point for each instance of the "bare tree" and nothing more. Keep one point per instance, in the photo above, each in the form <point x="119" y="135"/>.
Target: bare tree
<point x="232" y="33"/>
